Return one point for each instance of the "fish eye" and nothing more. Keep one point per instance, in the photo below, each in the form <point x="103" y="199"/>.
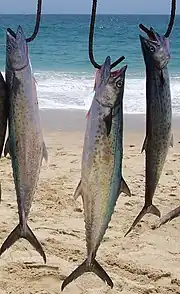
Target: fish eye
<point x="151" y="48"/>
<point x="9" y="48"/>
<point x="119" y="83"/>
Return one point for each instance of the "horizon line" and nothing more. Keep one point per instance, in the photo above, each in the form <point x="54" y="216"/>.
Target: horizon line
<point x="87" y="14"/>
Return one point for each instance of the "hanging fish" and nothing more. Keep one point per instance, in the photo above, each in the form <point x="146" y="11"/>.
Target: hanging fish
<point x="25" y="135"/>
<point x="101" y="174"/>
<point x="158" y="115"/>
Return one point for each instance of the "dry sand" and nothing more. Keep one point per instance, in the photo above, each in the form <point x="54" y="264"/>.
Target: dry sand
<point x="146" y="261"/>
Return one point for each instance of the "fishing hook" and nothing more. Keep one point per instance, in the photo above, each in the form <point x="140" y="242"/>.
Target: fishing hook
<point x="172" y="18"/>
<point x="38" y="18"/>
<point x="170" y="25"/>
<point x="91" y="36"/>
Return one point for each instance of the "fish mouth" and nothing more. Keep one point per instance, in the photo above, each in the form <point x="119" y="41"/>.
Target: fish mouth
<point x="153" y="38"/>
<point x="152" y="35"/>
<point x="16" y="46"/>
<point x="105" y="70"/>
<point x="18" y="36"/>
<point x="107" y="62"/>
<point x="118" y="72"/>
<point x="106" y="67"/>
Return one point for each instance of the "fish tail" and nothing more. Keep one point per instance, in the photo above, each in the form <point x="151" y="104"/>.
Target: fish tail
<point x="85" y="267"/>
<point x="146" y="209"/>
<point x="25" y="233"/>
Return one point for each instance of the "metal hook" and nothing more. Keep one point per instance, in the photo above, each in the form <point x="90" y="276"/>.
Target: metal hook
<point x="172" y="18"/>
<point x="170" y="25"/>
<point x="91" y="36"/>
<point x="38" y="18"/>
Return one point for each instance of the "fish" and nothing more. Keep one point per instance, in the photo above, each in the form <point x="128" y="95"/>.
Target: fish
<point x="3" y="114"/>
<point x="25" y="135"/>
<point x="101" y="168"/>
<point x="158" y="116"/>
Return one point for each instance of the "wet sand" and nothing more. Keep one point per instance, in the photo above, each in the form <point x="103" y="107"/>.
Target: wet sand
<point x="146" y="261"/>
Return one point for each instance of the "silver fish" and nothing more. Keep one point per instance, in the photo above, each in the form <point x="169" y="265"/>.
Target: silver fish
<point x="25" y="135"/>
<point x="101" y="173"/>
<point x="158" y="116"/>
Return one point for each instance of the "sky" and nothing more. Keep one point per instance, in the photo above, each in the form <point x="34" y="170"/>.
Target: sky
<point x="84" y="6"/>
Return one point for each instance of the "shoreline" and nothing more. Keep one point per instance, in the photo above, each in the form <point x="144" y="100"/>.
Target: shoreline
<point x="145" y="261"/>
<point x="72" y="120"/>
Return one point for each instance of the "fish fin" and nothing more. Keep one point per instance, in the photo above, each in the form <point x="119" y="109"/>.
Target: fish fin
<point x="7" y="148"/>
<point x="162" y="77"/>
<point x="169" y="216"/>
<point x="27" y="234"/>
<point x="84" y="267"/>
<point x="35" y="81"/>
<point x="150" y="209"/>
<point x="45" y="153"/>
<point x="144" y="146"/>
<point x="78" y="191"/>
<point x="108" y="122"/>
<point x="124" y="188"/>
<point x="88" y="113"/>
<point x="154" y="210"/>
<point x="172" y="141"/>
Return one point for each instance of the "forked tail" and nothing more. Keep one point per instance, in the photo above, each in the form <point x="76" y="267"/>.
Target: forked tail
<point x="146" y="209"/>
<point x="84" y="267"/>
<point x="25" y="233"/>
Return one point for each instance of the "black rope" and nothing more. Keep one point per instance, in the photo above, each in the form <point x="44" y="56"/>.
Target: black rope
<point x="38" y="18"/>
<point x="91" y="38"/>
<point x="172" y="18"/>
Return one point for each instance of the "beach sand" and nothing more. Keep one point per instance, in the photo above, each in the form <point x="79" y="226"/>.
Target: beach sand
<point x="146" y="261"/>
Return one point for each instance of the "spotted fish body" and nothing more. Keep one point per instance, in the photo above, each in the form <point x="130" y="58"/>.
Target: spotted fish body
<point x="158" y="116"/>
<point x="101" y="176"/>
<point x="25" y="135"/>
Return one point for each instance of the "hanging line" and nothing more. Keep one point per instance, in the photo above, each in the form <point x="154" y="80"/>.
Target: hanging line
<point x="170" y="25"/>
<point x="38" y="19"/>
<point x="91" y="37"/>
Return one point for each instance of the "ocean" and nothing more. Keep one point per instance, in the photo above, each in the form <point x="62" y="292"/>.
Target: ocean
<point x="60" y="61"/>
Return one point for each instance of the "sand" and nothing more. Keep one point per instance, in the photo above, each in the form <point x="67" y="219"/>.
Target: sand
<point x="146" y="261"/>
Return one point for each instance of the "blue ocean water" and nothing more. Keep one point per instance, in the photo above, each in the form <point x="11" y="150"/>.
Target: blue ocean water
<point x="59" y="56"/>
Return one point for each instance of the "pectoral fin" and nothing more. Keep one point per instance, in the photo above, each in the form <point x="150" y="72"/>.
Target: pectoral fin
<point x="124" y="188"/>
<point x="162" y="77"/>
<point x="172" y="141"/>
<point x="108" y="122"/>
<point x="45" y="153"/>
<point x="78" y="191"/>
<point x="144" y="146"/>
